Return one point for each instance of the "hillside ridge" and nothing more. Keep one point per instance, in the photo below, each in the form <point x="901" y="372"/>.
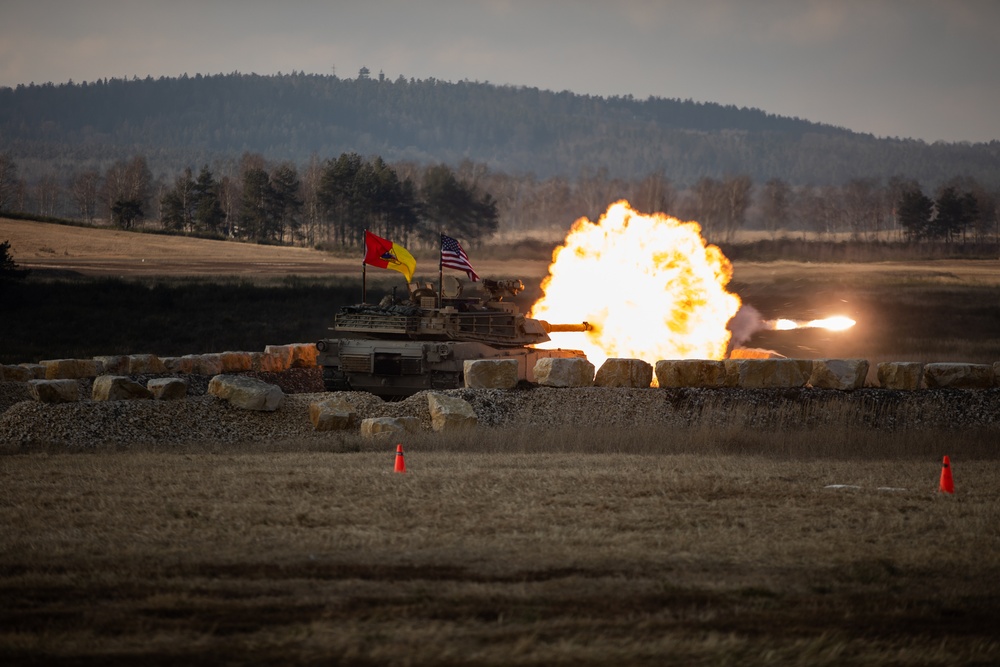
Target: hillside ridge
<point x="188" y="121"/>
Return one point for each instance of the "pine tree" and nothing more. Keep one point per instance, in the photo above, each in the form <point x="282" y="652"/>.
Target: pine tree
<point x="177" y="204"/>
<point x="9" y="270"/>
<point x="951" y="219"/>
<point x="208" y="213"/>
<point x="914" y="212"/>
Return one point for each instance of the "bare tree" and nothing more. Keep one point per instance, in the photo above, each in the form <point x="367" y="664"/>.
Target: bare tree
<point x="893" y="194"/>
<point x="8" y="181"/>
<point x="776" y="205"/>
<point x="597" y="191"/>
<point x="472" y="173"/>
<point x="550" y="204"/>
<point x="985" y="222"/>
<point x="862" y="208"/>
<point x="706" y="205"/>
<point x="230" y="194"/>
<point x="311" y="209"/>
<point x="47" y="193"/>
<point x="126" y="191"/>
<point x="737" y="192"/>
<point x="818" y="209"/>
<point x="655" y="194"/>
<point x="510" y="194"/>
<point x="84" y="189"/>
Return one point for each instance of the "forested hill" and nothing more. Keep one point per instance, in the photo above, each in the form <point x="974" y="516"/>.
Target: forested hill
<point x="188" y="121"/>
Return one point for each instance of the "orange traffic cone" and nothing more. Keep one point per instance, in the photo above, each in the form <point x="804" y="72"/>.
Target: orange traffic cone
<point x="947" y="483"/>
<point x="400" y="461"/>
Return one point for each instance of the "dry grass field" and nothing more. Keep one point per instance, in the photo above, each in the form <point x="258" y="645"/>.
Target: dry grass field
<point x="515" y="548"/>
<point x="692" y="546"/>
<point x="107" y="252"/>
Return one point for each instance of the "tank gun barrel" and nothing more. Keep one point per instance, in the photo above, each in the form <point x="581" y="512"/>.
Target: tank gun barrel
<point x="550" y="328"/>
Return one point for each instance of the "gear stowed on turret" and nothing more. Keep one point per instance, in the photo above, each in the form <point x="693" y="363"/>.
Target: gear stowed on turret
<point x="402" y="346"/>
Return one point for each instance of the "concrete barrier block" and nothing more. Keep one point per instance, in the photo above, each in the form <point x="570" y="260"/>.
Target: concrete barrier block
<point x="54" y="391"/>
<point x="11" y="373"/>
<point x="276" y="358"/>
<point x="37" y="370"/>
<point x="246" y="392"/>
<point x="490" y="373"/>
<point x="70" y="369"/>
<point x="900" y="375"/>
<point x="768" y="373"/>
<point x="841" y="374"/>
<point x="202" y="364"/>
<point x="568" y="372"/>
<point x="116" y="364"/>
<point x="236" y="362"/>
<point x="167" y="389"/>
<point x="958" y="376"/>
<point x="145" y="364"/>
<point x="304" y="355"/>
<point x="618" y="372"/>
<point x="450" y="413"/>
<point x="182" y="365"/>
<point x="333" y="414"/>
<point x="378" y="427"/>
<point x="118" y="388"/>
<point x="690" y="373"/>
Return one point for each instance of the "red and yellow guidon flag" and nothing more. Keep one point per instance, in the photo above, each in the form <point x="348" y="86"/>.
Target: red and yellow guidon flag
<point x="385" y="254"/>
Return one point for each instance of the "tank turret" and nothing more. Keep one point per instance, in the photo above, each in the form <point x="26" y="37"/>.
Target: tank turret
<point x="405" y="345"/>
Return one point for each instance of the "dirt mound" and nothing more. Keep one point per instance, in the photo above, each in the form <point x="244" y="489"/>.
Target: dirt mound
<point x="206" y="419"/>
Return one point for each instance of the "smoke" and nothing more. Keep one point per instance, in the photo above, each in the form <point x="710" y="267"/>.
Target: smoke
<point x="745" y="323"/>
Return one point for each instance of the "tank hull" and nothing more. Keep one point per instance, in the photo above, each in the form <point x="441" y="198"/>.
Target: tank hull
<point x="395" y="369"/>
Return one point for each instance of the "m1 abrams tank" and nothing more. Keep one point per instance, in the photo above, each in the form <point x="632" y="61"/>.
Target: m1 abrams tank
<point x="402" y="346"/>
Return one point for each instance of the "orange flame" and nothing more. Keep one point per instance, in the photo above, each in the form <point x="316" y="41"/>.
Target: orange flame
<point x="649" y="284"/>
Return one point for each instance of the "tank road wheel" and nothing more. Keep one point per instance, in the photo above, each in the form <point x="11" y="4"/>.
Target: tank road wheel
<point x="335" y="379"/>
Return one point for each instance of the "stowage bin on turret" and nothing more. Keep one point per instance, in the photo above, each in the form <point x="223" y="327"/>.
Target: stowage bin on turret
<point x="402" y="346"/>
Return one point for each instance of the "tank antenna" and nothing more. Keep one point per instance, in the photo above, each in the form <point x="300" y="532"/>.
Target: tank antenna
<point x="440" y="302"/>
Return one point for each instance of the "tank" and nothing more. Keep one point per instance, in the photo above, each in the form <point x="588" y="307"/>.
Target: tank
<point x="402" y="346"/>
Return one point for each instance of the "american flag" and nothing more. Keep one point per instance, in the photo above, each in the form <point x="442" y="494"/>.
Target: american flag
<point x="453" y="257"/>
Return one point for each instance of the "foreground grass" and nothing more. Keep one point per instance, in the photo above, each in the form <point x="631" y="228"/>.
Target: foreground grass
<point x="506" y="555"/>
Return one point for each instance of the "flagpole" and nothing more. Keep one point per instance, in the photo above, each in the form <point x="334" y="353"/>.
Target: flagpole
<point x="364" y="269"/>
<point x="440" y="273"/>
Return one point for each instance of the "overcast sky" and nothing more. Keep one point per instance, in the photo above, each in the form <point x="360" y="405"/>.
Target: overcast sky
<point x="926" y="69"/>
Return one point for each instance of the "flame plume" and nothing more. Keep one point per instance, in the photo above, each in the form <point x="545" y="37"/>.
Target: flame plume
<point x="649" y="284"/>
<point x="837" y="323"/>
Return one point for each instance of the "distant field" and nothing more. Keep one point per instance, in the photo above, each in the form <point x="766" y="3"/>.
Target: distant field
<point x="100" y="291"/>
<point x="66" y="250"/>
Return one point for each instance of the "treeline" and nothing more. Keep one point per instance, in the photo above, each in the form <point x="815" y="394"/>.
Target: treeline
<point x="330" y="202"/>
<point x="178" y="122"/>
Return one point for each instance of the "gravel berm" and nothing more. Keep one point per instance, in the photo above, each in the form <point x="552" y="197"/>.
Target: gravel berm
<point x="206" y="419"/>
